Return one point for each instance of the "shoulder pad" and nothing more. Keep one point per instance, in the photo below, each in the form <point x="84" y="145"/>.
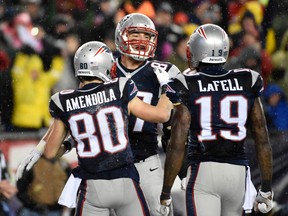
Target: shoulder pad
<point x="182" y="79"/>
<point x="122" y="83"/>
<point x="56" y="99"/>
<point x="254" y="74"/>
<point x="173" y="71"/>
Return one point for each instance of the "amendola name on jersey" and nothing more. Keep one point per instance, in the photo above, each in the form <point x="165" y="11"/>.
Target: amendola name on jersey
<point x="96" y="116"/>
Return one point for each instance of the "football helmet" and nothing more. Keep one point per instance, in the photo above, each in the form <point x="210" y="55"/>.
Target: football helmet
<point x="139" y="50"/>
<point x="93" y="59"/>
<point x="209" y="43"/>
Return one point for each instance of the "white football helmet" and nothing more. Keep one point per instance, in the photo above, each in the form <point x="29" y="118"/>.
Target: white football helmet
<point x="137" y="49"/>
<point x="209" y="43"/>
<point x="93" y="59"/>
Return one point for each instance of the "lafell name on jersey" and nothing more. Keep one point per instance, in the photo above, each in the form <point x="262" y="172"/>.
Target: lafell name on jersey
<point x="223" y="85"/>
<point x="219" y="102"/>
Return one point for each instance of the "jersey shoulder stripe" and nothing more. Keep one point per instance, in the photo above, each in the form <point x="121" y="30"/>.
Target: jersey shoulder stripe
<point x="254" y="75"/>
<point x="122" y="83"/>
<point x="181" y="78"/>
<point x="56" y="99"/>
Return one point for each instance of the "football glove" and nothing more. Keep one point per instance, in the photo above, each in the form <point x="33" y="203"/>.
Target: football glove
<point x="264" y="201"/>
<point x="32" y="158"/>
<point x="162" y="76"/>
<point x="165" y="206"/>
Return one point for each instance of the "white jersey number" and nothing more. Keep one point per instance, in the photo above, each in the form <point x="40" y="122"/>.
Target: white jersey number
<point x="147" y="98"/>
<point x="102" y="136"/>
<point x="225" y="115"/>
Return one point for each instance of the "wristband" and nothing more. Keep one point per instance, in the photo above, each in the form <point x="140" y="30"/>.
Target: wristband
<point x="165" y="196"/>
<point x="166" y="193"/>
<point x="166" y="190"/>
<point x="266" y="186"/>
<point x="67" y="146"/>
<point x="164" y="89"/>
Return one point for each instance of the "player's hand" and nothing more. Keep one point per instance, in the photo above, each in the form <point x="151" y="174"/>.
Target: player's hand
<point x="162" y="76"/>
<point x="28" y="162"/>
<point x="263" y="201"/>
<point x="165" y="206"/>
<point x="183" y="184"/>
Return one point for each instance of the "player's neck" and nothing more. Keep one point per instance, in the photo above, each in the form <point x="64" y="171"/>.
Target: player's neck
<point x="130" y="63"/>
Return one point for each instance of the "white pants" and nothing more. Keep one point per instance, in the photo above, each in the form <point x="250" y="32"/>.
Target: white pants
<point x="215" y="189"/>
<point x="123" y="195"/>
<point x="151" y="181"/>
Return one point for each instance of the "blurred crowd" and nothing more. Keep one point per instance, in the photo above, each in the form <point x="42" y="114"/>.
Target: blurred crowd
<point x="38" y="39"/>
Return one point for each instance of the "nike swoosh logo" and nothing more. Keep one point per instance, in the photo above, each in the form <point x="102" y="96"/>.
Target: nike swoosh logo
<point x="151" y="170"/>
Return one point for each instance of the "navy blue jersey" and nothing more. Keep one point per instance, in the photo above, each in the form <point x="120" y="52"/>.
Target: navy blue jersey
<point x="142" y="134"/>
<point x="97" y="118"/>
<point x="219" y="102"/>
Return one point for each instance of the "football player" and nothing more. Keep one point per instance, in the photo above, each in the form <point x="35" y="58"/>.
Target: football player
<point x="96" y="116"/>
<point x="214" y="107"/>
<point x="136" y="40"/>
